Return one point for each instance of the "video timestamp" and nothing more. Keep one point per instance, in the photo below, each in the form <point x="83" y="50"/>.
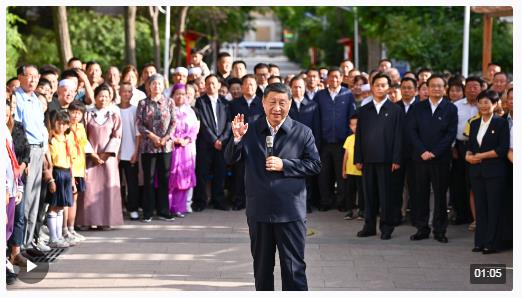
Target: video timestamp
<point x="487" y="273"/>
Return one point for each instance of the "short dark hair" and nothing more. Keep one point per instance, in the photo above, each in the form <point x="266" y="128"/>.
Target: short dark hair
<point x="436" y="76"/>
<point x="489" y="94"/>
<point x="222" y="55"/>
<point x="278" y="88"/>
<point x="354" y="117"/>
<point x="385" y="60"/>
<point x="91" y="63"/>
<point x="246" y="77"/>
<point x="73" y="59"/>
<point x="424" y="70"/>
<point x="295" y="79"/>
<point x="150" y="64"/>
<point x="233" y="81"/>
<point x="381" y="75"/>
<point x="49" y="69"/>
<point x="21" y="70"/>
<point x="77" y="106"/>
<point x="259" y="66"/>
<point x="408" y="72"/>
<point x="270" y="65"/>
<point x="501" y="73"/>
<point x="239" y="62"/>
<point x="10" y="80"/>
<point x="346" y="60"/>
<point x="360" y="78"/>
<point x="275" y="77"/>
<point x="68" y="73"/>
<point x="407" y="79"/>
<point x="332" y="69"/>
<point x="474" y="79"/>
<point x="102" y="87"/>
<point x="61" y="116"/>
<point x="43" y="82"/>
<point x="312" y="69"/>
<point x="212" y="75"/>
<point x="223" y="82"/>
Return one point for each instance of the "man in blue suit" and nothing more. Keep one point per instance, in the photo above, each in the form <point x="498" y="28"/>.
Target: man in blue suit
<point x="433" y="128"/>
<point x="306" y="111"/>
<point x="249" y="105"/>
<point x="275" y="187"/>
<point x="336" y="107"/>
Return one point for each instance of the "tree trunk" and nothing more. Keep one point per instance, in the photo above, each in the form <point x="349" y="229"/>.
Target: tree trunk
<point x="154" y="15"/>
<point x="180" y="28"/>
<point x="63" y="40"/>
<point x="374" y="52"/>
<point x="130" y="35"/>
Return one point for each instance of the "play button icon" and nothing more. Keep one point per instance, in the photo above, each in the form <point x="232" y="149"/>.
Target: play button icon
<point x="33" y="273"/>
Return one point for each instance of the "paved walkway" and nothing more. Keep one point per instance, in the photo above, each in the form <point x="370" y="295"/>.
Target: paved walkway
<point x="210" y="251"/>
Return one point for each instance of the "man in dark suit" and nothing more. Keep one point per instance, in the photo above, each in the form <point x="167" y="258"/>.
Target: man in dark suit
<point x="262" y="73"/>
<point x="275" y="187"/>
<point x="378" y="142"/>
<point x="336" y="107"/>
<point x="306" y="111"/>
<point x="405" y="174"/>
<point x="433" y="128"/>
<point x="213" y="135"/>
<point x="251" y="107"/>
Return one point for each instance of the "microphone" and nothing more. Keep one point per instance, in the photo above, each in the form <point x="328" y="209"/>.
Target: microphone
<point x="269" y="146"/>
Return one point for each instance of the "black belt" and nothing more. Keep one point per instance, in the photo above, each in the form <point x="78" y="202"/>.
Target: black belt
<point x="462" y="142"/>
<point x="37" y="145"/>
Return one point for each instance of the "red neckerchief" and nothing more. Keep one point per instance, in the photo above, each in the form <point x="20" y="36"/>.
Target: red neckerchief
<point x="14" y="162"/>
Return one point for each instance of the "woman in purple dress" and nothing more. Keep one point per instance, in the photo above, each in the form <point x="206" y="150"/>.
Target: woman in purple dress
<point x="182" y="168"/>
<point x="101" y="202"/>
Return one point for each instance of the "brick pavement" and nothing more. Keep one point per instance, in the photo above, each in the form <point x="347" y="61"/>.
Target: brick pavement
<point x="210" y="251"/>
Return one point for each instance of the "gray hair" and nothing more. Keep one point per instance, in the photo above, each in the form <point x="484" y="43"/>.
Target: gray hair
<point x="278" y="88"/>
<point x="156" y="77"/>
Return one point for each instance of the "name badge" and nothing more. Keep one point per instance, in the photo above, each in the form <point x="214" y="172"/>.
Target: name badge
<point x="440" y="118"/>
<point x="386" y="115"/>
<point x="492" y="131"/>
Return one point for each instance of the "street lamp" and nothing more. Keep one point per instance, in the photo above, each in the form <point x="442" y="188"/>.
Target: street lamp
<point x="166" y="63"/>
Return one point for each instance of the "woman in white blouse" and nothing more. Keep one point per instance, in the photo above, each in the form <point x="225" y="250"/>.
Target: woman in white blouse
<point x="487" y="150"/>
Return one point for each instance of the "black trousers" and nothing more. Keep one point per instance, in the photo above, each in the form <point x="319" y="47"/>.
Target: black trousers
<point x="460" y="186"/>
<point x="156" y="164"/>
<point x="210" y="166"/>
<point x="377" y="180"/>
<point x="435" y="174"/>
<point x="353" y="188"/>
<point x="405" y="174"/>
<point x="331" y="173"/>
<point x="131" y="192"/>
<point x="312" y="190"/>
<point x="489" y="198"/>
<point x="289" y="239"/>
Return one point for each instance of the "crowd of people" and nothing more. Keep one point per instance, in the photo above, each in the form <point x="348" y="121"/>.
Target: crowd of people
<point x="87" y="149"/>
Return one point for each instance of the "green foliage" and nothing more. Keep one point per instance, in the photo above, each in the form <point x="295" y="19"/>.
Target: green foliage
<point x="423" y="36"/>
<point x="15" y="45"/>
<point x="94" y="36"/>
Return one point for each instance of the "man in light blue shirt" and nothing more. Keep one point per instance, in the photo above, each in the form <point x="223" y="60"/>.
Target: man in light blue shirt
<point x="29" y="113"/>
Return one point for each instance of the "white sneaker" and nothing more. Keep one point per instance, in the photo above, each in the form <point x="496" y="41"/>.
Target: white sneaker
<point x="68" y="238"/>
<point x="44" y="237"/>
<point x="58" y="244"/>
<point x="44" y="230"/>
<point x="77" y="235"/>
<point x="134" y="215"/>
<point x="41" y="246"/>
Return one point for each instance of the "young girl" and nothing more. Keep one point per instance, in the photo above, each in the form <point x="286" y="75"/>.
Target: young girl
<point x="79" y="138"/>
<point x="61" y="186"/>
<point x="100" y="206"/>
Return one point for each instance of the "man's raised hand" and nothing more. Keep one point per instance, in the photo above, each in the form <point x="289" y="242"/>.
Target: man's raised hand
<point x="239" y="128"/>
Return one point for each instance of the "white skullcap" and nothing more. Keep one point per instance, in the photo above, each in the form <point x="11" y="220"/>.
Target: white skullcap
<point x="181" y="70"/>
<point x="365" y="88"/>
<point x="195" y="71"/>
<point x="67" y="83"/>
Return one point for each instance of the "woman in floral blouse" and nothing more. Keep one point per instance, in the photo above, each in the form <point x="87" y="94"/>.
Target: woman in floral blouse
<point x="155" y="119"/>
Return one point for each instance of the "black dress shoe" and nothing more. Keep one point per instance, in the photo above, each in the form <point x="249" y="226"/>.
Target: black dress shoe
<point x="198" y="208"/>
<point x="239" y="206"/>
<point x="385" y="236"/>
<point x="488" y="251"/>
<point x="342" y="209"/>
<point x="419" y="236"/>
<point x="221" y="207"/>
<point x="366" y="233"/>
<point x="477" y="249"/>
<point x="308" y="209"/>
<point x="324" y="208"/>
<point x="441" y="238"/>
